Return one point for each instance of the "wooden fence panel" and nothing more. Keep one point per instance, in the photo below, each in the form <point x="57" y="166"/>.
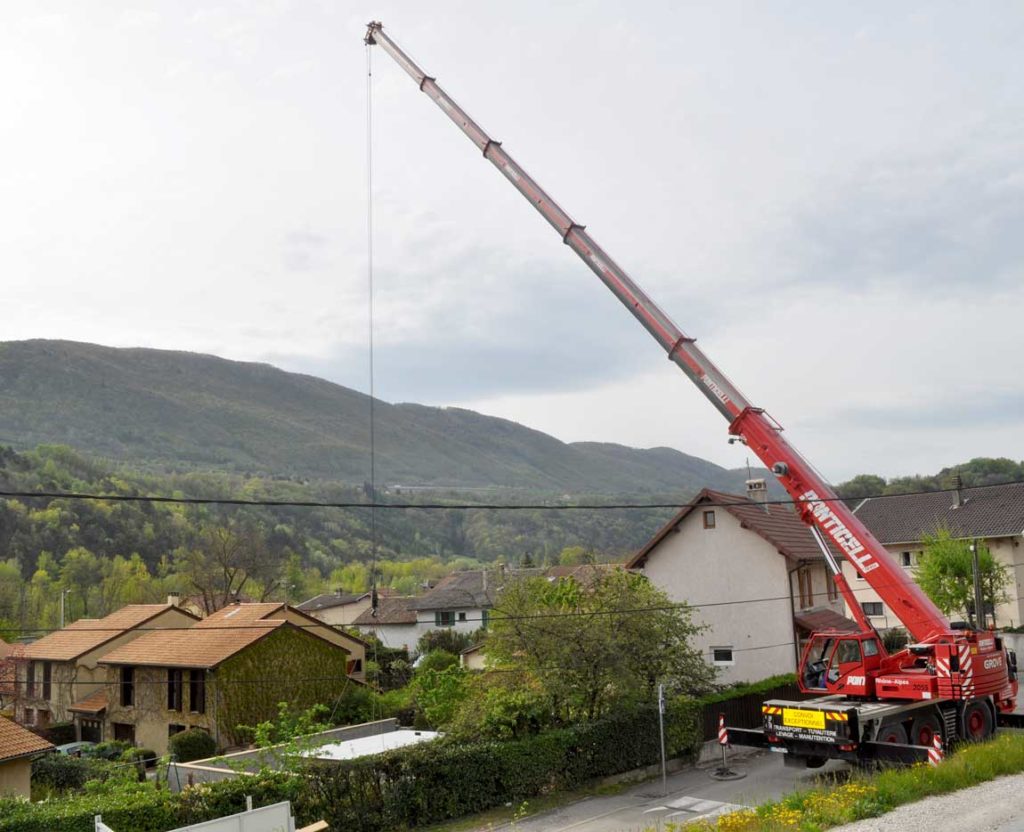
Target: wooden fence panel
<point x="745" y="711"/>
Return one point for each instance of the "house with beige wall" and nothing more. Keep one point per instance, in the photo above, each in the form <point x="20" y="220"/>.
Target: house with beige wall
<point x="18" y="747"/>
<point x="991" y="515"/>
<point x="58" y="675"/>
<point x="339" y="609"/>
<point x="754" y="575"/>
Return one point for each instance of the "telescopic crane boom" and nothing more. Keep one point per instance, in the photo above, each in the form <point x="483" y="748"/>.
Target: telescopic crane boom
<point x="937" y="668"/>
<point x="819" y="505"/>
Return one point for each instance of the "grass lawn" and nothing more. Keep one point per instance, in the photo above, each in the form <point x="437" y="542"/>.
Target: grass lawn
<point x="870" y="795"/>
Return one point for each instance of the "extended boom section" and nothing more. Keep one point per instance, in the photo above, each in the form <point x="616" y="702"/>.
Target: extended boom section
<point x="952" y="682"/>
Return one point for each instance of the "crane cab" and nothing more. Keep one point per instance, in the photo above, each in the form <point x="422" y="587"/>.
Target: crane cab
<point x="842" y="663"/>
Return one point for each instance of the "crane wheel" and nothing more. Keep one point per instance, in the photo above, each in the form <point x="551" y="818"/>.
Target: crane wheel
<point x="893" y="732"/>
<point x="924" y="729"/>
<point x="977" y="721"/>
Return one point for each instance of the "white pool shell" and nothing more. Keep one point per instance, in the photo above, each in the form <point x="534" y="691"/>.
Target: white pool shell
<point x="368" y="746"/>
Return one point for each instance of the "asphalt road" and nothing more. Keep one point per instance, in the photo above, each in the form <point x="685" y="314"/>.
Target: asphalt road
<point x="692" y="794"/>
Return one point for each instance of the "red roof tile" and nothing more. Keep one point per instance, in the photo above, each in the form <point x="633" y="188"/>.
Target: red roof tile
<point x="94" y="703"/>
<point x="86" y="634"/>
<point x="16" y="741"/>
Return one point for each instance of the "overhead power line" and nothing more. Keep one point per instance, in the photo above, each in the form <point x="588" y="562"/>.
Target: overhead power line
<point x="374" y="504"/>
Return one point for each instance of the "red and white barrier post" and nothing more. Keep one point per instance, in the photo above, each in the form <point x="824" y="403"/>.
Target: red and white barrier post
<point x="723" y="735"/>
<point x="935" y="754"/>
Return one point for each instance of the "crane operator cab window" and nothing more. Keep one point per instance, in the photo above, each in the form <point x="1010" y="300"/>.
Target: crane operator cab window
<point x="817" y="657"/>
<point x="845" y="660"/>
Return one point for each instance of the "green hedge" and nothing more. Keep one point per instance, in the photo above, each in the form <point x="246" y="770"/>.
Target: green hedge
<point x="431" y="783"/>
<point x="140" y="809"/>
<point x="407" y="787"/>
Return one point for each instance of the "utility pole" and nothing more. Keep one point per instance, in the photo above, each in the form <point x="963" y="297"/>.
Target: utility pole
<point x="661" y="731"/>
<point x="63" y="595"/>
<point x="979" y="596"/>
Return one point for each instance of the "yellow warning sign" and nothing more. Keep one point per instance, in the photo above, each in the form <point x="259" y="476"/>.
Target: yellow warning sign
<point x="799" y="718"/>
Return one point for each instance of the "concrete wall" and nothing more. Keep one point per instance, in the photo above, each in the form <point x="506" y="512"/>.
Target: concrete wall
<point x="225" y="767"/>
<point x="16" y="778"/>
<point x="723" y="564"/>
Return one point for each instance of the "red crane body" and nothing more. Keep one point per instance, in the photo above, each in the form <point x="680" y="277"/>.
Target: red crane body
<point x="932" y="668"/>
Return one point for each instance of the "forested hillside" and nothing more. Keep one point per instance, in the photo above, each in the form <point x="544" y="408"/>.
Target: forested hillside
<point x="185" y="411"/>
<point x="112" y="552"/>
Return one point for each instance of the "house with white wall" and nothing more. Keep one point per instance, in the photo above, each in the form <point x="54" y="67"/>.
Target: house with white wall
<point x="992" y="515"/>
<point x="394" y="622"/>
<point x="754" y="576"/>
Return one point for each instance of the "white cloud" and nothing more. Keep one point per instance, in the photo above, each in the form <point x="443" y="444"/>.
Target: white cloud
<point x="839" y="188"/>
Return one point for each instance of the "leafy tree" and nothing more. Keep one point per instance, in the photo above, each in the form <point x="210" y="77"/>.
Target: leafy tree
<point x="437" y="660"/>
<point x="946" y="573"/>
<point x="576" y="556"/>
<point x="229" y="561"/>
<point x="592" y="644"/>
<point x="861" y="486"/>
<point x="448" y="639"/>
<point x="439" y="694"/>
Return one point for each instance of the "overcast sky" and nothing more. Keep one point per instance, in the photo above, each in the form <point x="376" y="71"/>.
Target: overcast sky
<point x="830" y="197"/>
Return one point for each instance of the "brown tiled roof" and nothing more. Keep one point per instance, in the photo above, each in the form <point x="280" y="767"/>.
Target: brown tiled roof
<point x="389" y="611"/>
<point x="16" y="741"/>
<point x="987" y="511"/>
<point x="94" y="703"/>
<point x="87" y="634"/>
<point x="194" y="647"/>
<point x="5" y="649"/>
<point x="240" y="615"/>
<point x="465" y="590"/>
<point x="243" y="615"/>
<point x="778" y="524"/>
<point x="819" y="621"/>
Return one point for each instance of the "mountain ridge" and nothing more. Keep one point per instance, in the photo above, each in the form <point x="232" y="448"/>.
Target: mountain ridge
<point x="181" y="410"/>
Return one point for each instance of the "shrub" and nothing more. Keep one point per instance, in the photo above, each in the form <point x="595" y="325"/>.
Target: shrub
<point x="448" y="639"/>
<point x="112" y="750"/>
<point x="193" y="744"/>
<point x="437" y="660"/>
<point x="61" y="772"/>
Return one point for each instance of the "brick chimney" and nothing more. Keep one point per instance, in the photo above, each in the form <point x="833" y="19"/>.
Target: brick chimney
<point x="757" y="491"/>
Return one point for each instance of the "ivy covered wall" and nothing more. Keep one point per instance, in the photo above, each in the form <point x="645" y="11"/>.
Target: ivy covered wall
<point x="289" y="665"/>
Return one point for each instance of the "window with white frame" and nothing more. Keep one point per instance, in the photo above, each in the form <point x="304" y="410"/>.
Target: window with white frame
<point x="722" y="657"/>
<point x="872" y="608"/>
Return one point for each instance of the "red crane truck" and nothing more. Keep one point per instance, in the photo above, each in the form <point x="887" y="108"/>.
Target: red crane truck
<point x="951" y="681"/>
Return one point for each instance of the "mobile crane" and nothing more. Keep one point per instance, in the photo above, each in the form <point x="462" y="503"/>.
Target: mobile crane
<point x="951" y="681"/>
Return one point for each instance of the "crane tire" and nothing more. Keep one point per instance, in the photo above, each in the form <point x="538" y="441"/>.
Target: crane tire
<point x="892" y="732"/>
<point x="977" y="721"/>
<point x="924" y="729"/>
